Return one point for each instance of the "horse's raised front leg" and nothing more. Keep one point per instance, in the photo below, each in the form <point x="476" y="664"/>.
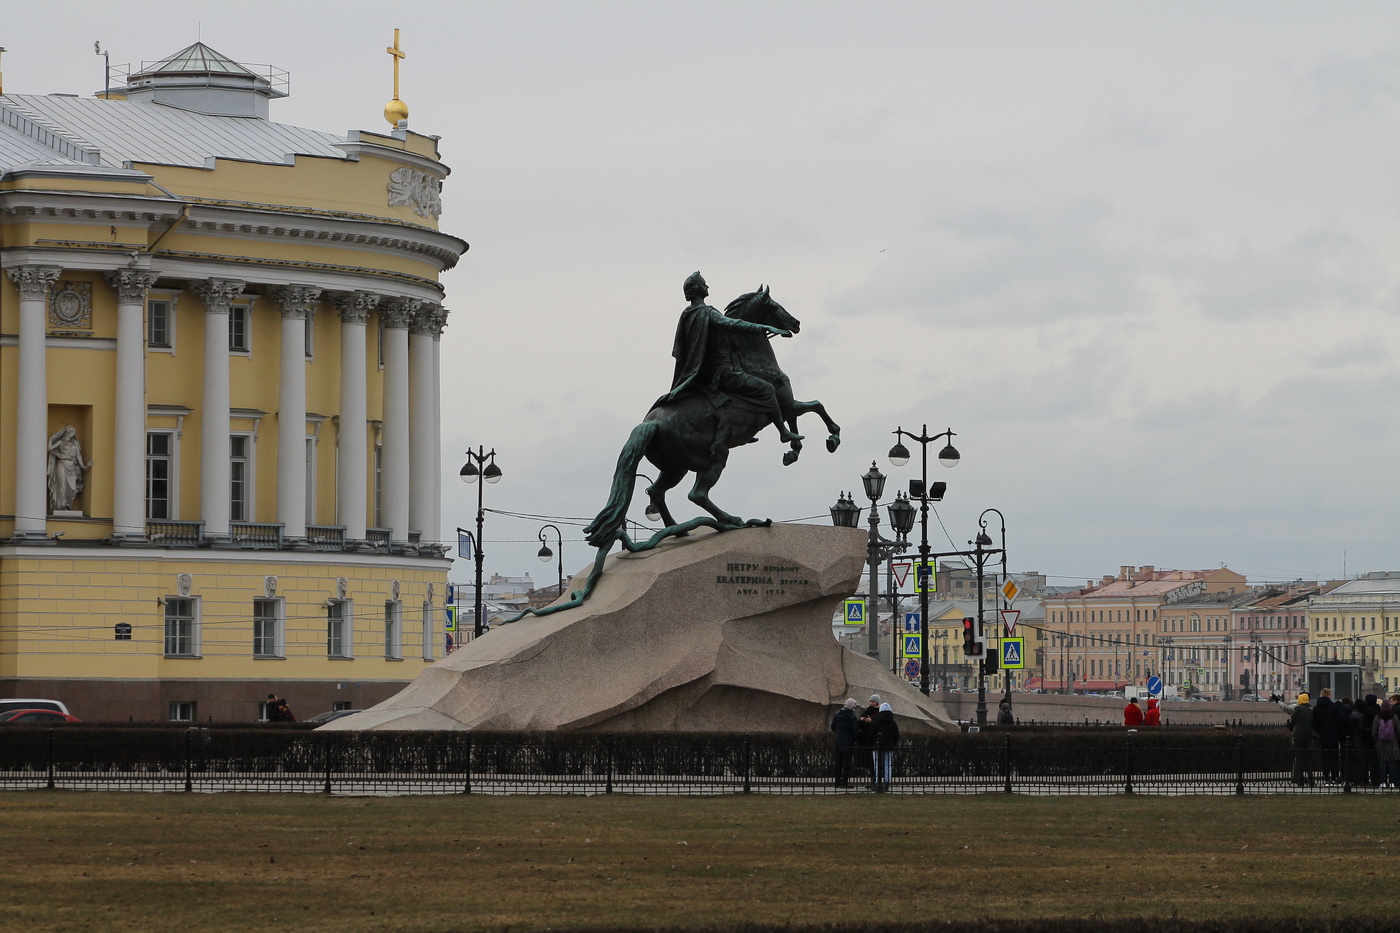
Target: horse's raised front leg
<point x="795" y="447"/>
<point x="801" y="408"/>
<point x="700" y="494"/>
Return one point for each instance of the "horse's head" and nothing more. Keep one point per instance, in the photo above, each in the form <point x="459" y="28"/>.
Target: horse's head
<point x="760" y="308"/>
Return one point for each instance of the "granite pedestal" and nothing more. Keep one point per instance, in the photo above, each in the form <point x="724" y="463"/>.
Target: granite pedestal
<point x="709" y="633"/>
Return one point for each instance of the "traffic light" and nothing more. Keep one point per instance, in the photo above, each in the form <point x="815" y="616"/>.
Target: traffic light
<point x="972" y="648"/>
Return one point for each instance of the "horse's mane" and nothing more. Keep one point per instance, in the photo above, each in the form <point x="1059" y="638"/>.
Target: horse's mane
<point x="740" y="304"/>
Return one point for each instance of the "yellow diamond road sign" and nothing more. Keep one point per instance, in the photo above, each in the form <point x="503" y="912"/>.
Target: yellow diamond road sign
<point x="1010" y="590"/>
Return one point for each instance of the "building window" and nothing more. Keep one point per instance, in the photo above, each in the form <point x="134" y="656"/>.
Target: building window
<point x="159" y="447"/>
<point x="268" y="615"/>
<point x="393" y="629"/>
<point x="182" y="711"/>
<point x="378" y="486"/>
<point x="240" y="473"/>
<point x="160" y="323"/>
<point x="240" y="338"/>
<point x="427" y="631"/>
<point x="181" y="628"/>
<point x="311" y="480"/>
<point x="339" y="620"/>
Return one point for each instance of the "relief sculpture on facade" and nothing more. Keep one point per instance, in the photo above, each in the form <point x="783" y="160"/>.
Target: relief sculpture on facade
<point x="418" y="190"/>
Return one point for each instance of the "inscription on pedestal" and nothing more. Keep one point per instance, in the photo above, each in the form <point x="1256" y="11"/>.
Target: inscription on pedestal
<point x="762" y="579"/>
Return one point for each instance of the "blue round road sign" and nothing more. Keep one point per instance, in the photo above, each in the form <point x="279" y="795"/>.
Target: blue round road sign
<point x="1154" y="685"/>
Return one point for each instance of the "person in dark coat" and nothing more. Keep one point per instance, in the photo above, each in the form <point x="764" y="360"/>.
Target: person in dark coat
<point x="1356" y="726"/>
<point x="1005" y="717"/>
<point x="865" y="734"/>
<point x="1369" y="709"/>
<point x="845" y="726"/>
<point x="1385" y="730"/>
<point x="1300" y="723"/>
<point x="1328" y="735"/>
<point x="886" y="732"/>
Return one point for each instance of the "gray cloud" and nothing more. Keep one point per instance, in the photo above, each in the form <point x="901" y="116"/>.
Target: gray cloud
<point x="1321" y="270"/>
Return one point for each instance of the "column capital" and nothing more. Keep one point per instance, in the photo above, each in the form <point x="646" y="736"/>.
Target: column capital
<point x="34" y="281"/>
<point x="354" y="307"/>
<point x="398" y="312"/>
<point x="425" y="320"/>
<point x="296" y="301"/>
<point x="439" y="321"/>
<point x="131" y="285"/>
<point x="217" y="294"/>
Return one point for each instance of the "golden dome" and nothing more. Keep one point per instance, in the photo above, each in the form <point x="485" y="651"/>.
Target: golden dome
<point x="394" y="111"/>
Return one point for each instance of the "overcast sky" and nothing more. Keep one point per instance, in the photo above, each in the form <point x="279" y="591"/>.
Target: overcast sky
<point x="1141" y="257"/>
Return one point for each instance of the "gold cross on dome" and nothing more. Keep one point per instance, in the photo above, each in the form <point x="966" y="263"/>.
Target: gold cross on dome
<point x="398" y="54"/>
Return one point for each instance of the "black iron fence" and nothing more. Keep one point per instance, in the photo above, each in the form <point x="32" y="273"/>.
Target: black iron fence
<point x="1009" y="761"/>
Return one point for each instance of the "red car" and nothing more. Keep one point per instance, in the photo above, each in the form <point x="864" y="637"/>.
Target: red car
<point x="36" y="715"/>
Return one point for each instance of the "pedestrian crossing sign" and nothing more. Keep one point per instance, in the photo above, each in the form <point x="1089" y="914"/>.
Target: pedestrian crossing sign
<point x="926" y="574"/>
<point x="912" y="646"/>
<point x="1013" y="654"/>
<point x="451" y="619"/>
<point x="855" y="611"/>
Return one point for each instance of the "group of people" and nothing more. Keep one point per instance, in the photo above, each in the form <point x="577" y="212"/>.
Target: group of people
<point x="278" y="710"/>
<point x="1359" y="740"/>
<point x="865" y="737"/>
<point x="1134" y="715"/>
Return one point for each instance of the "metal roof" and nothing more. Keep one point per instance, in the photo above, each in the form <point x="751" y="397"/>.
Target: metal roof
<point x="121" y="132"/>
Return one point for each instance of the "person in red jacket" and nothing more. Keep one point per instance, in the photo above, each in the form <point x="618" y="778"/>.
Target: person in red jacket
<point x="1153" y="716"/>
<point x="1132" y="713"/>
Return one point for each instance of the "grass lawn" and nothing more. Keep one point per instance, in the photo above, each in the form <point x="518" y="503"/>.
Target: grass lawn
<point x="177" y="862"/>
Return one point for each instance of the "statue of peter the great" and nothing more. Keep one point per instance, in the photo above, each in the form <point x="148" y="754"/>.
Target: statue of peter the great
<point x="705" y="365"/>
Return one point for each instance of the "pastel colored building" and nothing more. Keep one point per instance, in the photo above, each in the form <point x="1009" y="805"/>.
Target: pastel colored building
<point x="219" y="407"/>
<point x="1359" y="622"/>
<point x="1109" y="634"/>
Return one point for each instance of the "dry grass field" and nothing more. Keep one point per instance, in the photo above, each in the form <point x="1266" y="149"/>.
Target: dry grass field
<point x="177" y="862"/>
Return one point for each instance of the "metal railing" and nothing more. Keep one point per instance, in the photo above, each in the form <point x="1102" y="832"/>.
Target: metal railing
<point x="278" y="760"/>
<point x="170" y="533"/>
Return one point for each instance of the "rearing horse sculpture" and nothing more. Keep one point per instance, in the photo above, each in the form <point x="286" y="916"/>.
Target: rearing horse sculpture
<point x="694" y="434"/>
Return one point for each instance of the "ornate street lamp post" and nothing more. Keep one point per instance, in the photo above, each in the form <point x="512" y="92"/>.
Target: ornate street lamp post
<point x="545" y="553"/>
<point x="919" y="489"/>
<point x="479" y="465"/>
<point x="846" y="514"/>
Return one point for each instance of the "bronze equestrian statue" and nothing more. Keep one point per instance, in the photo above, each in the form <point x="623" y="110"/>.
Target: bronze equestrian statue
<point x="727" y="387"/>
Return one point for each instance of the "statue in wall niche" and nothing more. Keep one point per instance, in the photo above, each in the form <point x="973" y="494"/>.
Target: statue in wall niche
<point x="66" y="468"/>
<point x="727" y="387"/>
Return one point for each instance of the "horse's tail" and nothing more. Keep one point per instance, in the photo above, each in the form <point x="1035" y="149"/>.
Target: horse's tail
<point x="602" y="531"/>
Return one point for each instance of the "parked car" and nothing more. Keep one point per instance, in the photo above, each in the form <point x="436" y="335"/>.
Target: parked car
<point x="330" y="715"/>
<point x="36" y="715"/>
<point x="9" y="705"/>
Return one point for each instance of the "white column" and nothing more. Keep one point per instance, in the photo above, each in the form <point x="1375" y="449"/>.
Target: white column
<point x="129" y="436"/>
<point x="31" y="400"/>
<point x="437" y="429"/>
<point x="422" y="422"/>
<point x="297" y="302"/>
<point x="396" y="313"/>
<point x="352" y="456"/>
<point x="214" y="489"/>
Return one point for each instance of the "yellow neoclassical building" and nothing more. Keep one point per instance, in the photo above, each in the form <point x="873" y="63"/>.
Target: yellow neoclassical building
<point x="219" y="409"/>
